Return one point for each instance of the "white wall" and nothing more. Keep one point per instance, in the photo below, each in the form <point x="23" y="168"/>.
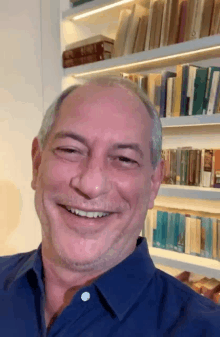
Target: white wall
<point x="30" y="79"/>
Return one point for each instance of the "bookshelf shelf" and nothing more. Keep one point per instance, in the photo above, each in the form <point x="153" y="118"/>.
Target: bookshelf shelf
<point x="195" y="264"/>
<point x="190" y="51"/>
<point x="191" y="192"/>
<point x="185" y="121"/>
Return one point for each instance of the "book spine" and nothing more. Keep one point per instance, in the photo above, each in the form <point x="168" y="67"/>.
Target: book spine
<point x="182" y="23"/>
<point x="207" y="167"/>
<point x="181" y="236"/>
<point x="183" y="104"/>
<point x="164" y="230"/>
<point x="212" y="97"/>
<point x="199" y="91"/>
<point x="214" y="238"/>
<point x="170" y="231"/>
<point x="86" y="59"/>
<point x="187" y="235"/>
<point x="159" y="229"/>
<point x="170" y="96"/>
<point x="94" y="48"/>
<point x="198" y="168"/>
<point x="176" y="231"/>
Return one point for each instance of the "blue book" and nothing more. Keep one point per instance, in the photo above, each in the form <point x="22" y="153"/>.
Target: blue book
<point x="206" y="237"/>
<point x="164" y="230"/>
<point x="163" y="95"/>
<point x="184" y="100"/>
<point x="181" y="236"/>
<point x="176" y="231"/>
<point x="170" y="231"/>
<point x="159" y="229"/>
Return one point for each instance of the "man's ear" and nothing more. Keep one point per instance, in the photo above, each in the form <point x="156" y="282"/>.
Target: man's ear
<point x="36" y="160"/>
<point x="156" y="180"/>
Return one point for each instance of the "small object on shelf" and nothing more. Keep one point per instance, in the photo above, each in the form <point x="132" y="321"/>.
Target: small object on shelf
<point x="86" y="59"/>
<point x="183" y="277"/>
<point x="75" y="3"/>
<point x="88" y="41"/>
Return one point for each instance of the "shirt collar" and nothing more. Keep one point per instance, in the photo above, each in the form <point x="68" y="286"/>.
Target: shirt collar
<point x="122" y="285"/>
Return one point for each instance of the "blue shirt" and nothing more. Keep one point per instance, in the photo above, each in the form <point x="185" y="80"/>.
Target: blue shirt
<point x="133" y="299"/>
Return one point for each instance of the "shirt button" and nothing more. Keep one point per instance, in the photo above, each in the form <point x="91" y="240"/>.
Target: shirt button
<point x="85" y="296"/>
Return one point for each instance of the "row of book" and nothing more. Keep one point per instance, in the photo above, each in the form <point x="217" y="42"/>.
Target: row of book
<point x="190" y="90"/>
<point x="204" y="286"/>
<point x="93" y="49"/>
<point x="163" y="23"/>
<point x="192" y="167"/>
<point x="184" y="233"/>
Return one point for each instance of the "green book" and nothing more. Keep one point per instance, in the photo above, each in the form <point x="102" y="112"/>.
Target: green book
<point x="181" y="236"/>
<point x="170" y="231"/>
<point x="208" y="87"/>
<point x="199" y="91"/>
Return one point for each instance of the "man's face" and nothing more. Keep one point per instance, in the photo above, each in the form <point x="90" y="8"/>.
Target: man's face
<point x="97" y="159"/>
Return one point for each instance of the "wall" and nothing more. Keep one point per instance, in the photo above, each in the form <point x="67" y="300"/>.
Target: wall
<point x="30" y="80"/>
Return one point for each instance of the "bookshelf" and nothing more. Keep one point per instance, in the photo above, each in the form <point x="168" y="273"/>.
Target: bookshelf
<point x="199" y="131"/>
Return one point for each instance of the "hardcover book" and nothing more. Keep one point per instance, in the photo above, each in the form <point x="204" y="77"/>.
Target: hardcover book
<point x="86" y="59"/>
<point x="90" y="40"/>
<point x="181" y="236"/>
<point x="121" y="33"/>
<point x="94" y="48"/>
<point x="199" y="90"/>
<point x="163" y="97"/>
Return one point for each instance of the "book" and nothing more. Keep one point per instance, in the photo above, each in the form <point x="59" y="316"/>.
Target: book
<point x="170" y="231"/>
<point x="153" y="90"/>
<point x="191" y="87"/>
<point x="214" y="239"/>
<point x="206" y="237"/>
<point x="187" y="234"/>
<point x="216" y="155"/>
<point x="183" y="277"/>
<point x="174" y="22"/>
<point x="90" y="40"/>
<point x="94" y="48"/>
<point x="176" y="232"/>
<point x="214" y="92"/>
<point x="184" y="166"/>
<point x="121" y="32"/>
<point x="151" y="24"/>
<point x="158" y="25"/>
<point x="173" y="166"/>
<point x="86" y="59"/>
<point x="141" y="34"/>
<point x="178" y="160"/>
<point x="184" y="104"/>
<point x="189" y="18"/>
<point x="163" y="97"/>
<point x="215" y="18"/>
<point x="198" y="168"/>
<point x="195" y="27"/>
<point x="207" y="167"/>
<point x="162" y="221"/>
<point x="193" y="234"/>
<point x="177" y="91"/>
<point x="165" y="23"/>
<point x="181" y="236"/>
<point x="182" y="21"/>
<point x="192" y="167"/>
<point x="197" y="286"/>
<point x="199" y="91"/>
<point x="171" y="83"/>
<point x="210" y="72"/>
<point x="136" y="13"/>
<point x="206" y="18"/>
<point x="210" y="287"/>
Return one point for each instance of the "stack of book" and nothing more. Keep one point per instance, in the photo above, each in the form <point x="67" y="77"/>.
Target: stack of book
<point x="190" y="90"/>
<point x="93" y="49"/>
<point x="184" y="233"/>
<point x="192" y="167"/>
<point x="75" y="3"/>
<point x="165" y="22"/>
<point x="209" y="288"/>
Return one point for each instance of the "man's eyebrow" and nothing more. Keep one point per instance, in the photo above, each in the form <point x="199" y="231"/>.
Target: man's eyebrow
<point x="68" y="134"/>
<point x="133" y="146"/>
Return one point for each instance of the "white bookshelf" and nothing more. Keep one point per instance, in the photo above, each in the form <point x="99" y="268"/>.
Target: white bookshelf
<point x="204" y="130"/>
<point x="195" y="264"/>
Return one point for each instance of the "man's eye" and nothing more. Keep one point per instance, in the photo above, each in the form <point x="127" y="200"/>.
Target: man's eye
<point x="67" y="153"/>
<point x="127" y="161"/>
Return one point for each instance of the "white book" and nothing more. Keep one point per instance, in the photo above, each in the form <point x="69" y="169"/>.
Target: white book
<point x="191" y="87"/>
<point x="137" y="12"/>
<point x="90" y="40"/>
<point x="170" y="96"/>
<point x="121" y="33"/>
<point x="214" y="87"/>
<point x="196" y="20"/>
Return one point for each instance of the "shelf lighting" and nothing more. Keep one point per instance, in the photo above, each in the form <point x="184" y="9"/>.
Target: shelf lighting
<point x="163" y="58"/>
<point x="98" y="10"/>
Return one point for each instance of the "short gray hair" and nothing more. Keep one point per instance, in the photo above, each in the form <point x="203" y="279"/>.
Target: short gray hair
<point x="108" y="81"/>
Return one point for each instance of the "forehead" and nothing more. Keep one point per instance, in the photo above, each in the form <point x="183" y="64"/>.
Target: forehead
<point x="104" y="109"/>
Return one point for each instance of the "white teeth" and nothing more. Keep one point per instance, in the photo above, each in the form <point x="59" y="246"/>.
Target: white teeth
<point x="87" y="214"/>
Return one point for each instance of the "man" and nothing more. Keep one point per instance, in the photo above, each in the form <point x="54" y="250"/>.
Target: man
<point x="96" y="171"/>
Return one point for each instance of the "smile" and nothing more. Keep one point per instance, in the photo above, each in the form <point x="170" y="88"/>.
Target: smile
<point x="86" y="214"/>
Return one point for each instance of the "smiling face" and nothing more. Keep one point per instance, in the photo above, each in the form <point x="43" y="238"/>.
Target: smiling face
<point x="97" y="159"/>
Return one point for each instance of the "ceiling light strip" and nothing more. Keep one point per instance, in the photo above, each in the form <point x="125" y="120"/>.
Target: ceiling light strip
<point x="98" y="10"/>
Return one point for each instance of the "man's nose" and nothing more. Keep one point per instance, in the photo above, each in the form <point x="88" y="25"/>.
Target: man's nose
<point x="93" y="179"/>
